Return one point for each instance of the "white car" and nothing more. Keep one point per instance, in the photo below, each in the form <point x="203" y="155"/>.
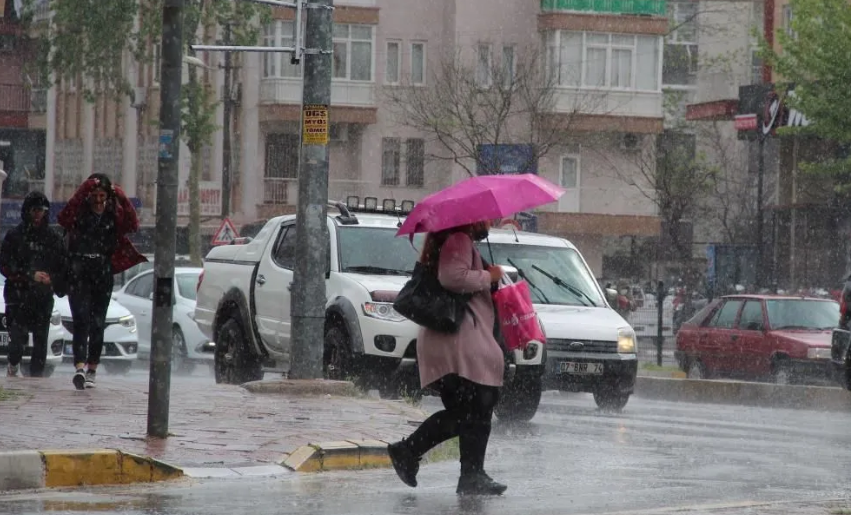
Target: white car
<point x="56" y="335"/>
<point x="121" y="340"/>
<point x="189" y="343"/>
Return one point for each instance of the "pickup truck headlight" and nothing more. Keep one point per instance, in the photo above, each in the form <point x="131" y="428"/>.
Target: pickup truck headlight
<point x="626" y="341"/>
<point x="382" y="311"/>
<point x="55" y="318"/>
<point x="818" y="353"/>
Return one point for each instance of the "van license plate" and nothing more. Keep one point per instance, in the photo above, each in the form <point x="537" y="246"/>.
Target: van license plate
<point x="568" y="367"/>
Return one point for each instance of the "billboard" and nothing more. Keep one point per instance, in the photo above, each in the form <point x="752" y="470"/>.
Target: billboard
<point x="506" y="159"/>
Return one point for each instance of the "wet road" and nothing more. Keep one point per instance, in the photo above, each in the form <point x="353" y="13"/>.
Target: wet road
<point x="570" y="459"/>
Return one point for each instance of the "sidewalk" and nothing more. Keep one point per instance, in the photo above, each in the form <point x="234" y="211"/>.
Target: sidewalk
<point x="211" y="425"/>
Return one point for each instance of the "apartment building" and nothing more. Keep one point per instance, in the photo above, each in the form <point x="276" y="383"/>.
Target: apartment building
<point x="607" y="56"/>
<point x="22" y="116"/>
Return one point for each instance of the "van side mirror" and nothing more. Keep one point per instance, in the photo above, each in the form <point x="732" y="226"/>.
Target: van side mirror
<point x="611" y="295"/>
<point x="511" y="272"/>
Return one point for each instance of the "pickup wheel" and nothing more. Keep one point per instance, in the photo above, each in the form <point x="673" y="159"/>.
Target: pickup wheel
<point x="234" y="364"/>
<point x="519" y="400"/>
<point x="337" y="354"/>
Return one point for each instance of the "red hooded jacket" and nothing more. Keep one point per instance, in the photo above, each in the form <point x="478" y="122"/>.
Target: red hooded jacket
<point x="126" y="222"/>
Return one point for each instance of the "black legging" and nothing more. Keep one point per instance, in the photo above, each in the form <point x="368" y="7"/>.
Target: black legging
<point x="32" y="315"/>
<point x="467" y="415"/>
<point x="90" y="292"/>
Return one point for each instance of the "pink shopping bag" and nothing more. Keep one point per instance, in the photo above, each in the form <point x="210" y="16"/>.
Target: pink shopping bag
<point x="517" y="318"/>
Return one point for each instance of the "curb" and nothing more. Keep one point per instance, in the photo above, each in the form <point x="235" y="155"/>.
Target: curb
<point x="303" y="387"/>
<point x="50" y="469"/>
<point x="817" y="398"/>
<point x="340" y="455"/>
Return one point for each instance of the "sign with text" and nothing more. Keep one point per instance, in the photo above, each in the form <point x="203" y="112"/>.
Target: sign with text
<point x="314" y="125"/>
<point x="506" y="159"/>
<point x="210" y="197"/>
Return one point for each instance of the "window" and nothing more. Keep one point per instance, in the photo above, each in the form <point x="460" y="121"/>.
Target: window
<point x="363" y="249"/>
<point x="284" y="255"/>
<point x="278" y="64"/>
<point x="391" y="155"/>
<point x="756" y="67"/>
<point x="414" y="162"/>
<point x="508" y="66"/>
<point x="680" y="65"/>
<point x="726" y="317"/>
<point x="187" y="285"/>
<point x="391" y="68"/>
<point x="600" y="60"/>
<point x="788" y="16"/>
<point x="418" y="63"/>
<point x="157" y="62"/>
<point x="142" y="287"/>
<point x="752" y="319"/>
<point x="483" y="65"/>
<point x="352" y="58"/>
<point x="569" y="172"/>
<point x="282" y="152"/>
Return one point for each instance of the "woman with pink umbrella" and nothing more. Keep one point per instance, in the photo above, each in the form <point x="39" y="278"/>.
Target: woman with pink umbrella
<point x="466" y="366"/>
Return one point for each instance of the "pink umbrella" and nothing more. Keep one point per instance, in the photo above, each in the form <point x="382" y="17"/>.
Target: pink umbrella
<point x="479" y="198"/>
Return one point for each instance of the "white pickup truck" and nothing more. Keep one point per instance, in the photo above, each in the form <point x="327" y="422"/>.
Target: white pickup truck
<point x="243" y="305"/>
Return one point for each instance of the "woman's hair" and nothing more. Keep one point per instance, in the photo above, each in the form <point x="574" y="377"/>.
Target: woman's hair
<point x="430" y="255"/>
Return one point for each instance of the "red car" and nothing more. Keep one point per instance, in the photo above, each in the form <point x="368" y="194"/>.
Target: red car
<point x="759" y="337"/>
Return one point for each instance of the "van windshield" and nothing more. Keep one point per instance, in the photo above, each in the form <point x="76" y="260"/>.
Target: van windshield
<point x="555" y="275"/>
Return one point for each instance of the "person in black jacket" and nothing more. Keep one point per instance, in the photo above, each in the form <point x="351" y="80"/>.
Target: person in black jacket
<point x="32" y="260"/>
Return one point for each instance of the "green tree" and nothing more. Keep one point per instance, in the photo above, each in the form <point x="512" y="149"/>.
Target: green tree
<point x="814" y="56"/>
<point x="87" y="39"/>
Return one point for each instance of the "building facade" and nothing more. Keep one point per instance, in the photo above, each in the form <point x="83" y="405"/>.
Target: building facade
<point x="607" y="57"/>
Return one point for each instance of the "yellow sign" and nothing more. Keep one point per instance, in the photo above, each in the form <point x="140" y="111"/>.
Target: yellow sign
<point x="314" y="125"/>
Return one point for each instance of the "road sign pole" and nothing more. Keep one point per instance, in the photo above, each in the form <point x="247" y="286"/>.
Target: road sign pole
<point x="308" y="292"/>
<point x="166" y="226"/>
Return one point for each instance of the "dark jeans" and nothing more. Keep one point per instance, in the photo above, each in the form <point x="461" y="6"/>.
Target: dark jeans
<point x="467" y="415"/>
<point x="89" y="295"/>
<point x="25" y="318"/>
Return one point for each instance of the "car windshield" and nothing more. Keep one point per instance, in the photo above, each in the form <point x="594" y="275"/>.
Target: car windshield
<point x="376" y="250"/>
<point x="186" y="284"/>
<point x="555" y="275"/>
<point x="802" y="314"/>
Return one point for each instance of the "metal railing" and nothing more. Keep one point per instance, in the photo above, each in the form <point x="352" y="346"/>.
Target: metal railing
<point x="14" y="97"/>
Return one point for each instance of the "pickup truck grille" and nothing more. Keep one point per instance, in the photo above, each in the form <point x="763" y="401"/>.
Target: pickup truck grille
<point x="587" y="345"/>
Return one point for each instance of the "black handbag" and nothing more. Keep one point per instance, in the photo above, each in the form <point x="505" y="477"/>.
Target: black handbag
<point x="424" y="301"/>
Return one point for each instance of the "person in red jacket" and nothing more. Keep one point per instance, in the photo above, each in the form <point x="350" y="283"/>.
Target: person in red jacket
<point x="96" y="220"/>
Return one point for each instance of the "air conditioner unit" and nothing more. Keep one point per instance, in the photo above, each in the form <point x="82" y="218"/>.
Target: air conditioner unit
<point x="339" y="132"/>
<point x="630" y="141"/>
<point x="140" y="97"/>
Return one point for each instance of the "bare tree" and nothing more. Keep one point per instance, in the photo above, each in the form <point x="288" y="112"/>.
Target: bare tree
<point x="465" y="106"/>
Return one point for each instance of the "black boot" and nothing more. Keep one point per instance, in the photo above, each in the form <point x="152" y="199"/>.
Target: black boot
<point x="479" y="483"/>
<point x="406" y="464"/>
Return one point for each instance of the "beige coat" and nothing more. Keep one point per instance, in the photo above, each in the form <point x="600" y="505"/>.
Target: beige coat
<point x="472" y="352"/>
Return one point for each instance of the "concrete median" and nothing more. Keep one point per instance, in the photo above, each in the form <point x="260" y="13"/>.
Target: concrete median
<point x="744" y="393"/>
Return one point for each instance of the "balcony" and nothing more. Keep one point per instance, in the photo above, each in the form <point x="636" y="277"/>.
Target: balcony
<point x="641" y="104"/>
<point x="343" y="93"/>
<point x="633" y="7"/>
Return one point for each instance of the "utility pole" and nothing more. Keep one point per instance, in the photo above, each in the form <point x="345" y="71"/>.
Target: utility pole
<point x="226" y="125"/>
<point x="308" y="292"/>
<point x="159" y="384"/>
<point x="760" y="244"/>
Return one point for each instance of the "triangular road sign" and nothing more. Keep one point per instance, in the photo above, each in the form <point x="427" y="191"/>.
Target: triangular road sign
<point x="226" y="233"/>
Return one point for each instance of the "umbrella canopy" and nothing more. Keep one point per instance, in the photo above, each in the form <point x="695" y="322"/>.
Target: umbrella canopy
<point x="479" y="198"/>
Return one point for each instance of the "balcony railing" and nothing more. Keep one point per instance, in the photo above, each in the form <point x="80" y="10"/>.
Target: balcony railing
<point x="285" y="191"/>
<point x="645" y="7"/>
<point x="14" y="98"/>
<point x="38" y="100"/>
<point x="608" y="102"/>
<point x="288" y="91"/>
